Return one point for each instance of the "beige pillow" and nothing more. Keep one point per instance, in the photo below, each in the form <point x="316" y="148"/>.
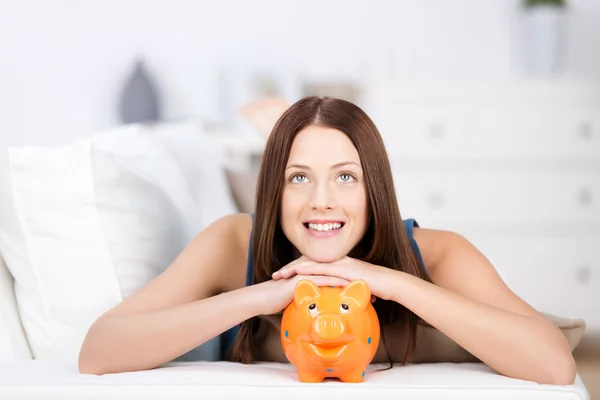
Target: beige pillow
<point x="434" y="346"/>
<point x="243" y="183"/>
<point x="242" y="187"/>
<point x="573" y="329"/>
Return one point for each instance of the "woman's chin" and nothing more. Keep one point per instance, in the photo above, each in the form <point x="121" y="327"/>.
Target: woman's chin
<point x="324" y="257"/>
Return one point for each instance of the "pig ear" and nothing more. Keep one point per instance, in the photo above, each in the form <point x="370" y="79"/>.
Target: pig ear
<point x="359" y="291"/>
<point x="305" y="289"/>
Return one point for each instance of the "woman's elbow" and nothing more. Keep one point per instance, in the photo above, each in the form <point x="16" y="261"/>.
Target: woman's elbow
<point x="90" y="360"/>
<point x="88" y="367"/>
<point x="566" y="373"/>
<point x="562" y="373"/>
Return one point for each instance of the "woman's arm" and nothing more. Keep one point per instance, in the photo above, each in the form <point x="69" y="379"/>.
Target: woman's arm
<point x="471" y="304"/>
<point x="145" y="340"/>
<point x="180" y="309"/>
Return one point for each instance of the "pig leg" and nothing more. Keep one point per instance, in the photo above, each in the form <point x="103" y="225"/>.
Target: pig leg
<point x="309" y="376"/>
<point x="353" y="376"/>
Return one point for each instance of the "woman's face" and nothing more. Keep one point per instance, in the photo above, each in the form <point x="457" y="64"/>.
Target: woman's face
<point x="324" y="201"/>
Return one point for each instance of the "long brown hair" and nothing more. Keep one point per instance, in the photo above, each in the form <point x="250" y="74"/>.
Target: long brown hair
<point x="385" y="242"/>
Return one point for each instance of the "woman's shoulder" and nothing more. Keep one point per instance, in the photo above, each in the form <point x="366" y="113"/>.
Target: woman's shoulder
<point x="238" y="225"/>
<point x="231" y="232"/>
<point x="433" y="244"/>
<point x="230" y="237"/>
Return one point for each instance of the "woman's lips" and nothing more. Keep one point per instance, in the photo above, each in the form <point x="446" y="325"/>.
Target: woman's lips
<point x="324" y="229"/>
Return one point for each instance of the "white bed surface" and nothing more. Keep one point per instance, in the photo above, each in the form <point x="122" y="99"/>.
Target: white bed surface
<point x="216" y="380"/>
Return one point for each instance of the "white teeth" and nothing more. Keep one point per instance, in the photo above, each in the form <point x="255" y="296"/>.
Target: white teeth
<point x="325" y="227"/>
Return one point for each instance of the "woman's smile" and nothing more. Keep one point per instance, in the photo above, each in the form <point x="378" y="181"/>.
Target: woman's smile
<point x="324" y="228"/>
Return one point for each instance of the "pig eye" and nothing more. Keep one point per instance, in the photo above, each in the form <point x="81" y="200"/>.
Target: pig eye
<point x="344" y="308"/>
<point x="312" y="309"/>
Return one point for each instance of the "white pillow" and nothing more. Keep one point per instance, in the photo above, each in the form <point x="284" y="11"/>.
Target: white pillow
<point x="92" y="222"/>
<point x="13" y="342"/>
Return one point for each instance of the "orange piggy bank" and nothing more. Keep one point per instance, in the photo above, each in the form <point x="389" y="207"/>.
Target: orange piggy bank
<point x="330" y="332"/>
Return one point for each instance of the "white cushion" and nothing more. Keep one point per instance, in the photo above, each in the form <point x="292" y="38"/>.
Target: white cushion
<point x="221" y="380"/>
<point x="84" y="226"/>
<point x="13" y="342"/>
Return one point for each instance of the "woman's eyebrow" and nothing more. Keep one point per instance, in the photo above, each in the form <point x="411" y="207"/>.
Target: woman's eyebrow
<point x="338" y="165"/>
<point x="344" y="163"/>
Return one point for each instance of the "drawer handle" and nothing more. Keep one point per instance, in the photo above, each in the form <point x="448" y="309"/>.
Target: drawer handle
<point x="585" y="197"/>
<point x="584" y="274"/>
<point x="436" y="131"/>
<point x="585" y="131"/>
<point x="436" y="200"/>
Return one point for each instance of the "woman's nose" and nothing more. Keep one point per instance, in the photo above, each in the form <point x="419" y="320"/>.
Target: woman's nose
<point x="322" y="197"/>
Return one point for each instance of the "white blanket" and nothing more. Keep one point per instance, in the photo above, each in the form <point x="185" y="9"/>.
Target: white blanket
<point x="221" y="380"/>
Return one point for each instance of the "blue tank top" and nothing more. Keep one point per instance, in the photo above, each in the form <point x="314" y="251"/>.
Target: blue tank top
<point x="228" y="336"/>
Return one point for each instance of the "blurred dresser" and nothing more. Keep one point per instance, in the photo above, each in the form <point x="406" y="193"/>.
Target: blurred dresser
<point x="514" y="166"/>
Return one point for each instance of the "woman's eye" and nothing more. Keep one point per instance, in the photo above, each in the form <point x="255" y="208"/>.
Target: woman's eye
<point x="298" y="178"/>
<point x="346" y="177"/>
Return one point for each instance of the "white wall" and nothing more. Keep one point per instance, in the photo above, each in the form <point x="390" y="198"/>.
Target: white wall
<point x="63" y="62"/>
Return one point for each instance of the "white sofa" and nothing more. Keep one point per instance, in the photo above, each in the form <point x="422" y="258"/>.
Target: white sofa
<point x="83" y="226"/>
<point x="218" y="380"/>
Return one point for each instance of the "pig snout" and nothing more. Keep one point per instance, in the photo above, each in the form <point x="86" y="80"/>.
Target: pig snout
<point x="328" y="327"/>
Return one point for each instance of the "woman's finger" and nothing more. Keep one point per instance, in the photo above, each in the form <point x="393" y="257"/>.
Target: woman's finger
<point x="291" y="264"/>
<point x="290" y="270"/>
<point x="321" y="280"/>
<point x="323" y="269"/>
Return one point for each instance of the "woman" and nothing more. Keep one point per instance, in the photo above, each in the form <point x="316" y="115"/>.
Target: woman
<point x="326" y="210"/>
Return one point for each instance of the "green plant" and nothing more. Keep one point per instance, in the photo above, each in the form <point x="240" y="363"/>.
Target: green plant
<point x="555" y="3"/>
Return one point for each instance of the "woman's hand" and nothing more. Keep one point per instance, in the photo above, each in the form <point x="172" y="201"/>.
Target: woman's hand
<point x="279" y="293"/>
<point x="379" y="279"/>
